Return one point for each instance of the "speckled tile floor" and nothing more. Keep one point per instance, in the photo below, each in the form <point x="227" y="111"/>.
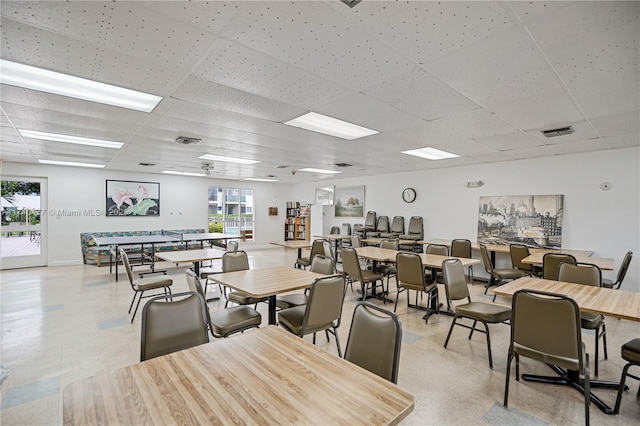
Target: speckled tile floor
<point x="61" y="324"/>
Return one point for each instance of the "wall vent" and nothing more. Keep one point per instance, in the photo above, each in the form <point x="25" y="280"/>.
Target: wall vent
<point x="187" y="141"/>
<point x="558" y="132"/>
<point x="351" y="3"/>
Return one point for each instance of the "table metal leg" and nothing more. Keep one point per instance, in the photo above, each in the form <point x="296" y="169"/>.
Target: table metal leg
<point x="272" y="309"/>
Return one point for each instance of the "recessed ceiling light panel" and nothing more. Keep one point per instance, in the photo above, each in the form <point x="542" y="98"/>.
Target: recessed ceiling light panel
<point x="322" y="171"/>
<point x="175" y="172"/>
<point x="262" y="180"/>
<point x="34" y="134"/>
<point x="228" y="159"/>
<point x="20" y="75"/>
<point x="71" y="163"/>
<point x="430" y="153"/>
<point x="330" y="126"/>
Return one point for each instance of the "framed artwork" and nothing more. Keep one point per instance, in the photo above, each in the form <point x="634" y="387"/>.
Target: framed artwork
<point x="131" y="198"/>
<point x="533" y="220"/>
<point x="324" y="195"/>
<point x="349" y="201"/>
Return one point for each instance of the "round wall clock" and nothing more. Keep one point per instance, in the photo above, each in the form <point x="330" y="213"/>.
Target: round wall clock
<point x="409" y="195"/>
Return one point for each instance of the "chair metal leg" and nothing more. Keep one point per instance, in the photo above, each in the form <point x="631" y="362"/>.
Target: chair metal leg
<point x="453" y="323"/>
<point x="135" y="293"/>
<point x="335" y="334"/>
<point x="137" y="305"/>
<point x="506" y="383"/>
<point x="486" y="327"/>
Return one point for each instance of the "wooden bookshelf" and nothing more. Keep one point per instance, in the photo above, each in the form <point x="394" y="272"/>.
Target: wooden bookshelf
<point x="297" y="225"/>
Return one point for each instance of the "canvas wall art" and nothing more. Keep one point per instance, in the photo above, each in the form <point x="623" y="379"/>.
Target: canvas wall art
<point x="131" y="198"/>
<point x="349" y="201"/>
<point x="534" y="220"/>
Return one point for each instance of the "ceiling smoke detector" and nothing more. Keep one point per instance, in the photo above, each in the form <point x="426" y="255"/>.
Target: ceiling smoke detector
<point x="558" y="132"/>
<point x="187" y="141"/>
<point x="207" y="168"/>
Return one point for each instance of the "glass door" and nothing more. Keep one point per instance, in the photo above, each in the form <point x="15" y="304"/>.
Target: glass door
<point x="24" y="220"/>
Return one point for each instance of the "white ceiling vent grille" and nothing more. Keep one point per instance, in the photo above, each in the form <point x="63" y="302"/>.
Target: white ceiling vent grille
<point x="558" y="132"/>
<point x="187" y="141"/>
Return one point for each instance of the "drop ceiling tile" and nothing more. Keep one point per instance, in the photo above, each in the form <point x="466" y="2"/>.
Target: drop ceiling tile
<point x="210" y="16"/>
<point x="528" y="10"/>
<point x="509" y="141"/>
<point x="627" y="123"/>
<point x="492" y="157"/>
<point x="475" y="124"/>
<point x="192" y="128"/>
<point x="608" y="95"/>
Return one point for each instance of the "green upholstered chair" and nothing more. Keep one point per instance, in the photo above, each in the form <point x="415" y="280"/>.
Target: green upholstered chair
<point x="551" y="262"/>
<point x="410" y="276"/>
<point x="317" y="247"/>
<point x="397" y="228"/>
<point x="519" y="252"/>
<point x="621" y="273"/>
<point x="630" y="352"/>
<point x="321" y="265"/>
<point x="486" y="313"/>
<point x="238" y="261"/>
<point x="497" y="275"/>
<point x="462" y="248"/>
<point x="354" y="272"/>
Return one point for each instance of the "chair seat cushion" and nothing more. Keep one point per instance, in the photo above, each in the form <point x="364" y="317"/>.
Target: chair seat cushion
<point x="487" y="312"/>
<point x="243" y="298"/>
<point x="156" y="281"/>
<point x="417" y="287"/>
<point x="236" y="318"/>
<point x="205" y="272"/>
<point x="369" y="276"/>
<point x="290" y="300"/>
<point x="631" y="351"/>
<point x="507" y="273"/>
<point x="304" y="261"/>
<point x="292" y="319"/>
<point x="606" y="282"/>
<point x="590" y="321"/>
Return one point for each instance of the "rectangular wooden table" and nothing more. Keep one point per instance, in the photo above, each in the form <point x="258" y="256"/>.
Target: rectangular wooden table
<point x="194" y="256"/>
<point x="267" y="376"/>
<point x="597" y="300"/>
<point x="293" y="244"/>
<point x="604" y="263"/>
<point x="268" y="282"/>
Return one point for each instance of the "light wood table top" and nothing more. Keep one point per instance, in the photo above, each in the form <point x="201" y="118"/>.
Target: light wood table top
<point x="377" y="241"/>
<point x="499" y="248"/>
<point x="185" y="256"/>
<point x="293" y="244"/>
<point x="428" y="260"/>
<point x="598" y="300"/>
<point x="268" y="282"/>
<point x="435" y="260"/>
<point x="604" y="263"/>
<point x="333" y="237"/>
<point x="267" y="376"/>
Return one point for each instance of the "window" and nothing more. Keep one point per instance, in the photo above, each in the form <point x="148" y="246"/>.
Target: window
<point x="231" y="211"/>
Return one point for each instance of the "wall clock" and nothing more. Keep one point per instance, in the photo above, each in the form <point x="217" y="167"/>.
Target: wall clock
<point x="409" y="195"/>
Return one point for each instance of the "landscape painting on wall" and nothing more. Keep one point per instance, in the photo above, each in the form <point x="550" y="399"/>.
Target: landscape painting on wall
<point x="349" y="201"/>
<point x="533" y="220"/>
<point x="129" y="198"/>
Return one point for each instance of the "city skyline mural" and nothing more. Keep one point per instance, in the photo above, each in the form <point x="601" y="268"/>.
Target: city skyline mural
<point x="534" y="220"/>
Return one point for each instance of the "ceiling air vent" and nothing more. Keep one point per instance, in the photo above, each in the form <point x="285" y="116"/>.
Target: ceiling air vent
<point x="344" y="164"/>
<point x="187" y="141"/>
<point x="351" y="3"/>
<point x="558" y="132"/>
<point x="147" y="164"/>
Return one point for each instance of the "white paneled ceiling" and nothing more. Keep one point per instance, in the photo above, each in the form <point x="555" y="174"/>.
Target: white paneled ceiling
<point x="479" y="79"/>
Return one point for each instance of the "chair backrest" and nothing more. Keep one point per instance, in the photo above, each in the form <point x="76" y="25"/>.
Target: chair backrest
<point x="193" y="282"/>
<point x="454" y="280"/>
<point x="461" y="248"/>
<point x="324" y="306"/>
<point x="232" y="245"/>
<point x="389" y="244"/>
<point x="486" y="260"/>
<point x="350" y="264"/>
<point x="322" y="265"/>
<point x="551" y="262"/>
<point x="409" y="269"/>
<point x="317" y="247"/>
<point x="580" y="273"/>
<point x="416" y="226"/>
<point x="546" y="326"/>
<point x="127" y="265"/>
<point x="397" y="225"/>
<point x="335" y="230"/>
<point x="370" y="221"/>
<point x="439" y="249"/>
<point x="623" y="268"/>
<point x="519" y="252"/>
<point x="235" y="261"/>
<point x="375" y="338"/>
<point x="172" y="326"/>
<point x="346" y="229"/>
<point x="355" y="241"/>
<point x="383" y="224"/>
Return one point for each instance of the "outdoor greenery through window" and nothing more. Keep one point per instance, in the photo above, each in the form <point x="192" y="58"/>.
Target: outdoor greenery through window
<point x="231" y="211"/>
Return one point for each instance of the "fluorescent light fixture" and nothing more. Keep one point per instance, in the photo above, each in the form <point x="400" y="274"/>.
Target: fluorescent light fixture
<point x="430" y="153"/>
<point x="175" y="172"/>
<point x="34" y="134"/>
<point x="330" y="126"/>
<point x="323" y="171"/>
<point x="262" y="180"/>
<point x="29" y="77"/>
<point x="228" y="159"/>
<point x="71" y="163"/>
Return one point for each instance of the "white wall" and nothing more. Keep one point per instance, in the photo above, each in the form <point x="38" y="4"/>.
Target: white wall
<point x="606" y="222"/>
<point x="183" y="204"/>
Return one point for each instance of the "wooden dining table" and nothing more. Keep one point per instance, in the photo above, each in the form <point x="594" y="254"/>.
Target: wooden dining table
<point x="596" y="300"/>
<point x="191" y="256"/>
<point x="294" y="244"/>
<point x="268" y="282"/>
<point x="261" y="377"/>
<point x="537" y="257"/>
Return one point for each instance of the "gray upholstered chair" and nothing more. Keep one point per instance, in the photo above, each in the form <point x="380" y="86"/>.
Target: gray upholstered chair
<point x="382" y="226"/>
<point x="170" y="326"/>
<point x="462" y="248"/>
<point x="387" y="269"/>
<point x="206" y="272"/>
<point x="519" y="252"/>
<point x="410" y="276"/>
<point x="335" y="230"/>
<point x="415" y="232"/>
<point x="345" y="229"/>
<point x="440" y="250"/>
<point x="354" y="272"/>
<point x="588" y="274"/>
<point x="496" y="276"/>
<point x="225" y="322"/>
<point x="141" y="285"/>
<point x="551" y="262"/>
<point x="320" y="265"/>
<point x="370" y="222"/>
<point x="375" y="338"/>
<point x="238" y="261"/>
<point x="358" y="229"/>
<point x="323" y="310"/>
<point x="630" y="352"/>
<point x="621" y="273"/>
<point x="317" y="247"/>
<point x="397" y="228"/>
<point x="485" y="313"/>
<point x="552" y="337"/>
